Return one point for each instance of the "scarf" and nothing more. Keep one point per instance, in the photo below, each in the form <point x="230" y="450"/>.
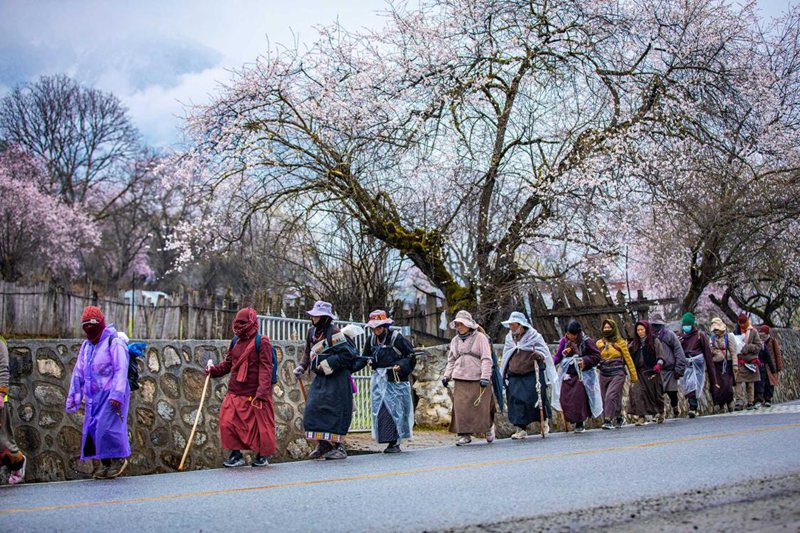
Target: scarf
<point x="245" y="326"/>
<point x="466" y="336"/>
<point x="531" y="341"/>
<point x="613" y="335"/>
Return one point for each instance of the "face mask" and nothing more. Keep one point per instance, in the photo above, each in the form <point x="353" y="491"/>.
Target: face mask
<point x="687" y="329"/>
<point x="608" y="334"/>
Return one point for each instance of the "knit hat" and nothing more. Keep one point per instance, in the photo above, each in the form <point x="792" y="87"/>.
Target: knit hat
<point x="574" y="327"/>
<point x="92" y="315"/>
<point x="464" y="317"/>
<point x="688" y="319"/>
<point x="718" y="325"/>
<point x="379" y="318"/>
<point x="765" y="329"/>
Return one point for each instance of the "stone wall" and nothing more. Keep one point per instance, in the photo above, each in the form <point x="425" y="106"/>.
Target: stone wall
<point x="434" y="402"/>
<point x="161" y="413"/>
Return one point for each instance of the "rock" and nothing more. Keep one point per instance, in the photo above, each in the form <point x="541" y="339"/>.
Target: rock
<point x="147" y="390"/>
<point x="49" y="395"/>
<point x="165" y="410"/>
<point x="27" y="438"/>
<point x="434" y="404"/>
<point x="431" y="367"/>
<point x="17" y="392"/>
<point x="221" y="391"/>
<point x="193" y="381"/>
<point x="298" y="424"/>
<point x="298" y="449"/>
<point x="20" y="363"/>
<point x="179" y="440"/>
<point x="277" y="391"/>
<point x="203" y="353"/>
<point x="187" y="354"/>
<point x="69" y="440"/>
<point x="47" y="466"/>
<point x="284" y="411"/>
<point x="170" y="386"/>
<point x="171" y="357"/>
<point x="171" y="460"/>
<point x="188" y="414"/>
<point x="152" y="361"/>
<point x="160" y="437"/>
<point x="295" y="395"/>
<point x="145" y="417"/>
<point x="47" y="363"/>
<point x="200" y="438"/>
<point x="27" y="412"/>
<point x="49" y="419"/>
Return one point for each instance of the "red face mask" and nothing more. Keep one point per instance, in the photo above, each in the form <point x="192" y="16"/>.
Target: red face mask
<point x="94" y="331"/>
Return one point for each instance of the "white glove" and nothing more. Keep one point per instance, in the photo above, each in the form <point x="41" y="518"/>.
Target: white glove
<point x="298" y="371"/>
<point x="209" y="365"/>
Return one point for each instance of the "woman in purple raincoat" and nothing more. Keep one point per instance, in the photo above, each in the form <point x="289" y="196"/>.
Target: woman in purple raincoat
<point x="100" y="381"/>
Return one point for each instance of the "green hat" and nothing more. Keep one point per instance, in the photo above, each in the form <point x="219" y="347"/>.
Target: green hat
<point x="688" y="319"/>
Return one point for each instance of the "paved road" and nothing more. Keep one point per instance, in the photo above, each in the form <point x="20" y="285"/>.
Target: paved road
<point x="437" y="488"/>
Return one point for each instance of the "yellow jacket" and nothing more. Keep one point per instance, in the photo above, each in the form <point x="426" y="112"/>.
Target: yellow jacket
<point x="616" y="350"/>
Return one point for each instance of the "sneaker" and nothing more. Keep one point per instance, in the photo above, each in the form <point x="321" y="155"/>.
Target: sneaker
<point x="393" y="447"/>
<point x="757" y="405"/>
<point x="660" y="418"/>
<point x="338" y="452"/>
<point x="767" y="404"/>
<point x="692" y="413"/>
<point x="18" y="476"/>
<point x="580" y="428"/>
<point x="466" y="439"/>
<point x="620" y="422"/>
<point x="260" y="461"/>
<point x="235" y="460"/>
<point x="116" y="472"/>
<point x="607" y="424"/>
<point x="322" y="448"/>
<point x="750" y="406"/>
<point x="738" y="407"/>
<point x="490" y="434"/>
<point x="675" y="412"/>
<point x="520" y="435"/>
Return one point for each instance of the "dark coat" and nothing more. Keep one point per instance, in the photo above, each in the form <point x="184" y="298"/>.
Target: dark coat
<point x="400" y="353"/>
<point x="695" y="343"/>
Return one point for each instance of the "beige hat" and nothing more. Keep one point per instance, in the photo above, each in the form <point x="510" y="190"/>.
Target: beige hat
<point x="465" y="318"/>
<point x="718" y="325"/>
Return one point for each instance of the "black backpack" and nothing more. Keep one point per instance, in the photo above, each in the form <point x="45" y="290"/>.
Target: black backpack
<point x="258" y="348"/>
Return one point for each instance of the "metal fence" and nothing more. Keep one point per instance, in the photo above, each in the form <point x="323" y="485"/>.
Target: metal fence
<point x="296" y="330"/>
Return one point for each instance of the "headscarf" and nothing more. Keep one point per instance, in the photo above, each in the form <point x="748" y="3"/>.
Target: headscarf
<point x="322" y="326"/>
<point x="93" y="323"/>
<point x="744" y="322"/>
<point x="614" y="335"/>
<point x="764" y="332"/>
<point x="245" y="324"/>
<point x="649" y="338"/>
<point x="718" y="325"/>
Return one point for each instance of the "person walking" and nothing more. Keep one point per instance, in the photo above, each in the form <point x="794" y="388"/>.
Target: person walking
<point x="674" y="360"/>
<point x="771" y="366"/>
<point x="10" y="456"/>
<point x="100" y="382"/>
<point x="524" y="352"/>
<point x="614" y="360"/>
<point x="469" y="366"/>
<point x="330" y="355"/>
<point x="647" y="394"/>
<point x="698" y="363"/>
<point x="748" y="374"/>
<point x="577" y="390"/>
<point x="246" y="417"/>
<point x="725" y="354"/>
<point x="392" y="359"/>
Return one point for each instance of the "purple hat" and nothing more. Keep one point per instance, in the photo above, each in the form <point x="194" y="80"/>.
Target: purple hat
<point x="322" y="309"/>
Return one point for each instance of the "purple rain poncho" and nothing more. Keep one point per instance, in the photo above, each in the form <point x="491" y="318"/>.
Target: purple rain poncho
<point x="101" y="375"/>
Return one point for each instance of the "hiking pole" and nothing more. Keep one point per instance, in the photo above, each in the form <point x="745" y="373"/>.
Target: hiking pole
<point x="196" y="420"/>
<point x="303" y="389"/>
<point x="539" y="394"/>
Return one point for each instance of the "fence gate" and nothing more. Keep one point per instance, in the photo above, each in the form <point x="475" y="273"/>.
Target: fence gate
<point x="296" y="330"/>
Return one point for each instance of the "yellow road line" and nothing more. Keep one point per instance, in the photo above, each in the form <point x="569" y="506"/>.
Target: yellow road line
<point x="397" y="473"/>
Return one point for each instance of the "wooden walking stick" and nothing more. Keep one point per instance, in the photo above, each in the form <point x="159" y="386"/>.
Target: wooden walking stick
<point x="196" y="420"/>
<point x="539" y="394"/>
<point x="302" y="389"/>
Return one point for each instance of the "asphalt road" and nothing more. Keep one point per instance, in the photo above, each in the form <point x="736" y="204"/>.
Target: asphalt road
<point x="437" y="488"/>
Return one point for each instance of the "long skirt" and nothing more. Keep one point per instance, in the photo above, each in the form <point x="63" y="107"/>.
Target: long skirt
<point x="574" y="401"/>
<point x="467" y="417"/>
<point x="247" y="425"/>
<point x="724" y="394"/>
<point x="10" y="456"/>
<point x="647" y="394"/>
<point x="105" y="433"/>
<point x="522" y="398"/>
<point x="329" y="408"/>
<point x="611" y="389"/>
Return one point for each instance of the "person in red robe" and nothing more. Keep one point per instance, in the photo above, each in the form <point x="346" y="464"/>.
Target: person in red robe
<point x="246" y="417"/>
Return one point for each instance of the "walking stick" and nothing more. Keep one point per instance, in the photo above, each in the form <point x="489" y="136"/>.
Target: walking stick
<point x="196" y="420"/>
<point x="302" y="389"/>
<point x="539" y="394"/>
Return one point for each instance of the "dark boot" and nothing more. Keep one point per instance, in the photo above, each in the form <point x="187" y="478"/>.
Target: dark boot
<point x="322" y="448"/>
<point x="393" y="447"/>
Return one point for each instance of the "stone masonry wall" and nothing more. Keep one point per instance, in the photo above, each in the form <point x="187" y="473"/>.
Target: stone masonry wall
<point x="161" y="412"/>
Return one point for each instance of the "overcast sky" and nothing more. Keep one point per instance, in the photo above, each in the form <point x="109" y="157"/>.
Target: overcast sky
<point x="157" y="55"/>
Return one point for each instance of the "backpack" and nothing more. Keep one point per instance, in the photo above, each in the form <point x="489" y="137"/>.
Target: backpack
<point x="497" y="379"/>
<point x="134" y="351"/>
<point x="258" y="349"/>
